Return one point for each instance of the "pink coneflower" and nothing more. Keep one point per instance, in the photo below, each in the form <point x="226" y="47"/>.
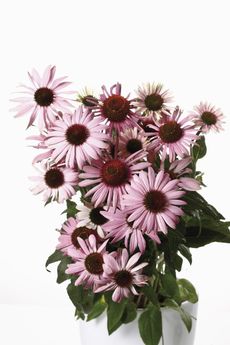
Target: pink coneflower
<point x="131" y="141"/>
<point x="174" y="136"/>
<point x="121" y="275"/>
<point x="43" y="99"/>
<point x="117" y="110"/>
<point x="55" y="183"/>
<point x="87" y="98"/>
<point x="178" y="169"/>
<point x="89" y="260"/>
<point x="91" y="217"/>
<point x="153" y="99"/>
<point x="208" y="117"/>
<point x="110" y="176"/>
<point x="77" y="138"/>
<point x="152" y="201"/>
<point x="118" y="227"/>
<point x="69" y="234"/>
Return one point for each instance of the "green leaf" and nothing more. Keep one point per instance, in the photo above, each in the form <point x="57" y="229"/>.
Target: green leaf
<point x="71" y="210"/>
<point x="115" y="327"/>
<point x="108" y="296"/>
<point x="207" y="231"/>
<point x="61" y="275"/>
<point x="83" y="299"/>
<point x="195" y="202"/>
<point x="150" y="325"/>
<point x="130" y="312"/>
<point x="98" y="308"/>
<point x="56" y="256"/>
<point x="75" y="294"/>
<point x="79" y="314"/>
<point x="187" y="291"/>
<point x="199" y="150"/>
<point x="149" y="292"/>
<point x="171" y="303"/>
<point x="174" y="239"/>
<point x="169" y="285"/>
<point x="87" y="300"/>
<point x="114" y="314"/>
<point x="185" y="252"/>
<point x="199" y="177"/>
<point x="178" y="262"/>
<point x="169" y="246"/>
<point x="185" y="317"/>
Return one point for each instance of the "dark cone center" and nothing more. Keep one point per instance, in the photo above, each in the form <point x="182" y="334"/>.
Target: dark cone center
<point x="77" y="134"/>
<point x="44" y="96"/>
<point x="96" y="217"/>
<point x="209" y="118"/>
<point x="94" y="263"/>
<point x="154" y="102"/>
<point x="115" y="173"/>
<point x="116" y="108"/>
<point x="82" y="232"/>
<point x="133" y="145"/>
<point x="123" y="278"/>
<point x="171" y="132"/>
<point x="54" y="178"/>
<point x="155" y="201"/>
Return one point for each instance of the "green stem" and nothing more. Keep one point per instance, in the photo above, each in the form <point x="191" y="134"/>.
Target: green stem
<point x="155" y="283"/>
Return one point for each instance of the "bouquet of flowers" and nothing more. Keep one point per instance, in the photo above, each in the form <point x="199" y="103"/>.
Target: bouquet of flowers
<point x="126" y="168"/>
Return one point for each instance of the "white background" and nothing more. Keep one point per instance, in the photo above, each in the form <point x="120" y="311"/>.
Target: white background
<point x="184" y="45"/>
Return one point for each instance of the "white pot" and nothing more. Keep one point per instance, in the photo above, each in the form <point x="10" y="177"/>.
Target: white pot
<point x="174" y="331"/>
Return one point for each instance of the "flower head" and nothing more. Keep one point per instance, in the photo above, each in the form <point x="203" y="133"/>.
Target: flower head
<point x="56" y="183"/>
<point x="121" y="275"/>
<point x="91" y="217"/>
<point x="152" y="202"/>
<point x="43" y="99"/>
<point x="116" y="109"/>
<point x="174" y="136"/>
<point x="70" y="232"/>
<point x="152" y="99"/>
<point x="131" y="141"/>
<point x="208" y="117"/>
<point x="89" y="260"/>
<point x="110" y="176"/>
<point x="76" y="138"/>
<point x="87" y="98"/>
